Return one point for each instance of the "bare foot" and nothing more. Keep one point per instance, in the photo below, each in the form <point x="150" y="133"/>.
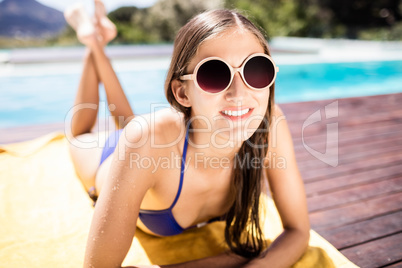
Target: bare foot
<point x="79" y="20"/>
<point x="106" y="28"/>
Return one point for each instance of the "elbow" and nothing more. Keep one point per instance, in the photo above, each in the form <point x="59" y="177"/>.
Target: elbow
<point x="303" y="231"/>
<point x="302" y="236"/>
<point x="305" y="239"/>
<point x="301" y="240"/>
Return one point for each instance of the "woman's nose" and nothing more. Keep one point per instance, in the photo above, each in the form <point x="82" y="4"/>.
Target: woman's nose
<point x="237" y="89"/>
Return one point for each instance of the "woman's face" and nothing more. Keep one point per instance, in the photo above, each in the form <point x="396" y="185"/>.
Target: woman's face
<point x="210" y="112"/>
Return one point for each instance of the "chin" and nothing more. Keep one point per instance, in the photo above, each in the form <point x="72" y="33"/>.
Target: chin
<point x="232" y="138"/>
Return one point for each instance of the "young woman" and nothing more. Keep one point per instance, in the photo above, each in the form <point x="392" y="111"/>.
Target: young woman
<point x="217" y="140"/>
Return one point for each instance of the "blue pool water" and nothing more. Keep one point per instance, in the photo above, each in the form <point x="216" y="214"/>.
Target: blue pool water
<point x="38" y="99"/>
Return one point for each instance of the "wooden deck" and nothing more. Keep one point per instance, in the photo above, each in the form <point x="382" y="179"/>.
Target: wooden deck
<point x="357" y="204"/>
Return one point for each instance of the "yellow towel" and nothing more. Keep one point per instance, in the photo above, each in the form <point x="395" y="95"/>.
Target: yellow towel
<point x="45" y="216"/>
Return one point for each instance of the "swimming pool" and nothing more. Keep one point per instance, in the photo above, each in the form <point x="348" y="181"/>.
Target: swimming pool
<point x="37" y="98"/>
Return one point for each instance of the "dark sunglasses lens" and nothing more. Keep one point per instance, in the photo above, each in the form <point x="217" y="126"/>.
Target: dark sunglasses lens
<point x="259" y="72"/>
<point x="213" y="76"/>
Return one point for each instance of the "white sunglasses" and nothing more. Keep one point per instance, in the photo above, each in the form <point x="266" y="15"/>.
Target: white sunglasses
<point x="214" y="75"/>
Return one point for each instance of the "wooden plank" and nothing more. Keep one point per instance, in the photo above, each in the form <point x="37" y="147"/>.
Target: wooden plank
<point x="372" y="163"/>
<point x="348" y="180"/>
<point x="319" y="130"/>
<point x="378" y="128"/>
<point x="350" y="110"/>
<point x="352" y="150"/>
<point x="394" y="265"/>
<point x="349" y="136"/>
<point x="347" y="146"/>
<point x="336" y="217"/>
<point x="360" y="232"/>
<point x="352" y="162"/>
<point x="317" y="169"/>
<point x="351" y="119"/>
<point x="353" y="138"/>
<point x="346" y="119"/>
<point x="376" y="253"/>
<point x="354" y="194"/>
<point x="358" y="132"/>
<point x="359" y="145"/>
<point x="369" y="104"/>
<point x="347" y="154"/>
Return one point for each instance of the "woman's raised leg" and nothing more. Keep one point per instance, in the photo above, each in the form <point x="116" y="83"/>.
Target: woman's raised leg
<point x="85" y="110"/>
<point x="97" y="68"/>
<point x="116" y="98"/>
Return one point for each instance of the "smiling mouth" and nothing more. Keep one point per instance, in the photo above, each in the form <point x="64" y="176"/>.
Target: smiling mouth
<point x="237" y="114"/>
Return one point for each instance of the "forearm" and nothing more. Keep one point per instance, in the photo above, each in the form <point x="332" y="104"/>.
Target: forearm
<point x="224" y="260"/>
<point x="284" y="251"/>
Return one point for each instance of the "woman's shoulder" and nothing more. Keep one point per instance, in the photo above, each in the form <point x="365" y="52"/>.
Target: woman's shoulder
<point x="161" y="129"/>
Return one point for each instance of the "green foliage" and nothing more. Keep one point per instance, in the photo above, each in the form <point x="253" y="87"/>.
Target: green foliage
<point x="123" y="14"/>
<point x="325" y="19"/>
<point x="384" y="33"/>
<point x="128" y="33"/>
<point x="66" y="38"/>
<point x="158" y="23"/>
<point x="276" y="17"/>
<point x="285" y="17"/>
<point x="7" y="42"/>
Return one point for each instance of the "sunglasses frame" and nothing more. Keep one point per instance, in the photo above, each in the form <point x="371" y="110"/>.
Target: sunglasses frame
<point x="233" y="71"/>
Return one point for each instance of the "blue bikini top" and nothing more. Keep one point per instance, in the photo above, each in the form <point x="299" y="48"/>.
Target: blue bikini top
<point x="160" y="222"/>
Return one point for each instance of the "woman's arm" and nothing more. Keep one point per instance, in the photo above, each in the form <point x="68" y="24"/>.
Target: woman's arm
<point x="288" y="194"/>
<point x="116" y="212"/>
<point x="224" y="260"/>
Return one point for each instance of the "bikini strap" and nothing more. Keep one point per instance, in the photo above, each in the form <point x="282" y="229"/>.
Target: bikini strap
<point x="183" y="164"/>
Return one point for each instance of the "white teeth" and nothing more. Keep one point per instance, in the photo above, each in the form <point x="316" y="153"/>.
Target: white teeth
<point x="236" y="113"/>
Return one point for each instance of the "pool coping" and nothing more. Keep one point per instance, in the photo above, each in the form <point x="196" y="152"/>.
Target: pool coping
<point x="291" y="49"/>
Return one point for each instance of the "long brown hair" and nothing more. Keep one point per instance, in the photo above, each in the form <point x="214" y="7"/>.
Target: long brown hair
<point x="243" y="232"/>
